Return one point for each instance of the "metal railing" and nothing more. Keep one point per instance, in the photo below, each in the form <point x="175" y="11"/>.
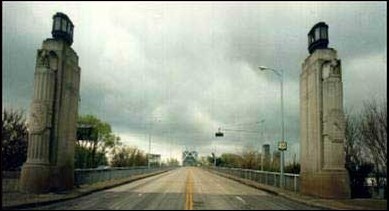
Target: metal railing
<point x="89" y="176"/>
<point x="10" y="180"/>
<point x="291" y="181"/>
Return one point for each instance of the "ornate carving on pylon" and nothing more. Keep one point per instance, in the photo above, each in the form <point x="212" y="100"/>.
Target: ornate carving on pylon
<point x="335" y="67"/>
<point x="43" y="58"/>
<point x="38" y="118"/>
<point x="336" y="126"/>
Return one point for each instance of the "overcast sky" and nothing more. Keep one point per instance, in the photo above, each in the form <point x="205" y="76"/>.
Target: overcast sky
<point x="181" y="70"/>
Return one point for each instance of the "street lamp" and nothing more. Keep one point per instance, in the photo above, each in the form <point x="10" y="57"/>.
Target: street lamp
<point x="282" y="144"/>
<point x="149" y="155"/>
<point x="217" y="134"/>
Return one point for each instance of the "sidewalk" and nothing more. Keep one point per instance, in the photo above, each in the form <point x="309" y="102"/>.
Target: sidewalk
<point x="17" y="200"/>
<point x="334" y="204"/>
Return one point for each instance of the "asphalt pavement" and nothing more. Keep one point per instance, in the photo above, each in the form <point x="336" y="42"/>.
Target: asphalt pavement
<point x="186" y="188"/>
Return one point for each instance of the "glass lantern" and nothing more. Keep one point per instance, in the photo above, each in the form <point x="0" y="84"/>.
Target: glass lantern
<point x="62" y="28"/>
<point x="318" y="37"/>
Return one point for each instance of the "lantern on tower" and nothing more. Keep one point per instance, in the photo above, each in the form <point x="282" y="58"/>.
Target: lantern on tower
<point x="62" y="28"/>
<point x="318" y="37"/>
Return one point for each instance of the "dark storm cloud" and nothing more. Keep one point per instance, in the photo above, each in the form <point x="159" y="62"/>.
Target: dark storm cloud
<point x="18" y="45"/>
<point x="179" y="71"/>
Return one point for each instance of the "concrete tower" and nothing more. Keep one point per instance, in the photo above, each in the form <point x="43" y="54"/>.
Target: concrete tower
<point x="53" y="113"/>
<point x="275" y="163"/>
<point x="266" y="157"/>
<point x="322" y="157"/>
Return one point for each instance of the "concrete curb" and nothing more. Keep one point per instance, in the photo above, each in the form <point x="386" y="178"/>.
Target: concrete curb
<point x="80" y="193"/>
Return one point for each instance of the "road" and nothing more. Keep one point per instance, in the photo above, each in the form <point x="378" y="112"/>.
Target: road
<point x="183" y="188"/>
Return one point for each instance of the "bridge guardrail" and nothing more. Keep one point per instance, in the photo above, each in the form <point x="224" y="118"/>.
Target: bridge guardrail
<point x="10" y="179"/>
<point x="291" y="181"/>
<point x="89" y="176"/>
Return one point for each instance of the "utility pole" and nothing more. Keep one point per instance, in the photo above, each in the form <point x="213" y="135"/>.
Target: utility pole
<point x="149" y="155"/>
<point x="282" y="146"/>
<point x="262" y="152"/>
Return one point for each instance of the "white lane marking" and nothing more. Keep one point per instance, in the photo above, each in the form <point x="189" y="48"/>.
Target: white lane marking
<point x="240" y="199"/>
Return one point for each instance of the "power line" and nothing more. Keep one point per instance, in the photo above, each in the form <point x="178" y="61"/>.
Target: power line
<point x="241" y="130"/>
<point x="247" y="123"/>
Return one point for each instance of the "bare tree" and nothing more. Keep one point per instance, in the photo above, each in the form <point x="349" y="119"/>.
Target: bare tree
<point x="373" y="131"/>
<point x="231" y="160"/>
<point x="250" y="160"/>
<point x="125" y="156"/>
<point x="357" y="157"/>
<point x="355" y="148"/>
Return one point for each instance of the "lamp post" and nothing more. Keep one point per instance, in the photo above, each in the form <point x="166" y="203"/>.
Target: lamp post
<point x="282" y="144"/>
<point x="217" y="134"/>
<point x="149" y="155"/>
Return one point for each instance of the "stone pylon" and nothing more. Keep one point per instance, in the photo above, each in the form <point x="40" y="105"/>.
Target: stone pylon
<point x="322" y="157"/>
<point x="53" y="114"/>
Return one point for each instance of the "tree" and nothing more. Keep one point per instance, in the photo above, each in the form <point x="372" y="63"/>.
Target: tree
<point x="91" y="153"/>
<point x="374" y="129"/>
<point x="249" y="160"/>
<point x="81" y="154"/>
<point x="356" y="157"/>
<point x="366" y="146"/>
<point x="231" y="160"/>
<point x="14" y="139"/>
<point x="203" y="161"/>
<point x="121" y="157"/>
<point x="353" y="145"/>
<point x="125" y="156"/>
<point x="140" y="158"/>
<point x="293" y="167"/>
<point x="211" y="160"/>
<point x="172" y="162"/>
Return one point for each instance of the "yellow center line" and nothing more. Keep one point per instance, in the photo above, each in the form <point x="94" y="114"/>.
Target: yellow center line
<point x="189" y="192"/>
